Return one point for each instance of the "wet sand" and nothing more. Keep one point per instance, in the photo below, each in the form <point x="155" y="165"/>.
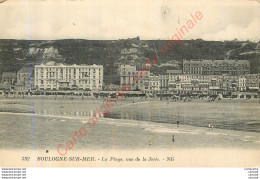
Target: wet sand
<point x="53" y="122"/>
<point x="52" y="130"/>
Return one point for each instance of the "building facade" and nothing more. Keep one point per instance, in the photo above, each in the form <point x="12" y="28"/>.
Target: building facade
<point x="24" y="74"/>
<point x="208" y="84"/>
<point x="192" y="67"/>
<point x="68" y="77"/>
<point x="150" y="84"/>
<point x="252" y="82"/>
<point x="126" y="75"/>
<point x="24" y="80"/>
<point x="216" y="67"/>
<point x="164" y="83"/>
<point x="8" y="78"/>
<point x="242" y="83"/>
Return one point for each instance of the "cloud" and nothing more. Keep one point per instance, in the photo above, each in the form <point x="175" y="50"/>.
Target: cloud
<point x="232" y="31"/>
<point x="115" y="19"/>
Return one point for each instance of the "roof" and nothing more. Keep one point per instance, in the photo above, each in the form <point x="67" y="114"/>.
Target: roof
<point x="217" y="62"/>
<point x="49" y="64"/>
<point x="174" y="71"/>
<point x="9" y="74"/>
<point x="25" y="70"/>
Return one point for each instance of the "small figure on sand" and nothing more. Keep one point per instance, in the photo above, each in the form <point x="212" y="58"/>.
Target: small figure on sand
<point x="210" y="127"/>
<point x="172" y="138"/>
<point x="178" y="123"/>
<point x="150" y="143"/>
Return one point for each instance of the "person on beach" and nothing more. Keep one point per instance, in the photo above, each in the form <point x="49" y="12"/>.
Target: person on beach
<point x="178" y="122"/>
<point x="209" y="126"/>
<point x="172" y="138"/>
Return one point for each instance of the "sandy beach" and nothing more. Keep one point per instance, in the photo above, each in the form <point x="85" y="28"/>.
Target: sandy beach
<point x="52" y="123"/>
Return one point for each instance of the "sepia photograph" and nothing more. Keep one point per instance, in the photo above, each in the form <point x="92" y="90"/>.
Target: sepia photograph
<point x="112" y="83"/>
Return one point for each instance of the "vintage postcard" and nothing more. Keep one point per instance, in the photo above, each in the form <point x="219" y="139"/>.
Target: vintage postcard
<point x="129" y="83"/>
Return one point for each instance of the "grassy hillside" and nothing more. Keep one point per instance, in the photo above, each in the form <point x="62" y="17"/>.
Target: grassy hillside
<point x="15" y="53"/>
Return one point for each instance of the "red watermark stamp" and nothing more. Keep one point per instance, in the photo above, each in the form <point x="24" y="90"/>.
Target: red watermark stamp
<point x="175" y="41"/>
<point x="104" y="110"/>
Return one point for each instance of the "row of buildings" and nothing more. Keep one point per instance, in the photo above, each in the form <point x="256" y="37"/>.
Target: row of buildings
<point x="216" y="67"/>
<point x="199" y="77"/>
<point x="198" y="84"/>
<point x="53" y="76"/>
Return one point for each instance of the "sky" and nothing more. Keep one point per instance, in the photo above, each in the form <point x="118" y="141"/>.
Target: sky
<point x="122" y="19"/>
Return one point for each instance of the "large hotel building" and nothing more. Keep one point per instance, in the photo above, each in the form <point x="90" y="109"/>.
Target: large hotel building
<point x="216" y="67"/>
<point x="63" y="77"/>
